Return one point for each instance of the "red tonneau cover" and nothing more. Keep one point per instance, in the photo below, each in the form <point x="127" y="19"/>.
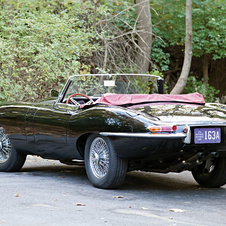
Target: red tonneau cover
<point x="123" y="99"/>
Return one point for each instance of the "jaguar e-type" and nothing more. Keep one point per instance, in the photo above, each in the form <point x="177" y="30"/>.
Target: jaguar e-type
<point x="115" y="123"/>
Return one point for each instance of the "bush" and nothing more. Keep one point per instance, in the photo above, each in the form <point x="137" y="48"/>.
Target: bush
<point x="41" y="43"/>
<point x="206" y="90"/>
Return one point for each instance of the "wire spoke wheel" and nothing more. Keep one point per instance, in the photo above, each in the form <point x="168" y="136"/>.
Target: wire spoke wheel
<point x="5" y="147"/>
<point x="99" y="157"/>
<point x="104" y="168"/>
<point x="10" y="159"/>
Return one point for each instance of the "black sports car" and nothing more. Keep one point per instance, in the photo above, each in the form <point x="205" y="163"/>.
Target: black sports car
<point x="117" y="123"/>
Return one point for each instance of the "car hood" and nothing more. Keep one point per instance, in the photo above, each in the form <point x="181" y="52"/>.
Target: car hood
<point x="186" y="113"/>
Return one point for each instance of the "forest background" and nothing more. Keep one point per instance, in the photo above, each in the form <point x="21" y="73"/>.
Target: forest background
<point x="43" y="42"/>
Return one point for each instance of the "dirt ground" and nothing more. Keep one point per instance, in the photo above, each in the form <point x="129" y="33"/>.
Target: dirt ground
<point x="34" y="158"/>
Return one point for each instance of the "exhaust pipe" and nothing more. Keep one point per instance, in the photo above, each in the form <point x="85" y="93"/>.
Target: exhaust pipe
<point x="194" y="161"/>
<point x="199" y="155"/>
<point x="179" y="166"/>
<point x="194" y="164"/>
<point x="188" y="162"/>
<point x="200" y="161"/>
<point x="210" y="155"/>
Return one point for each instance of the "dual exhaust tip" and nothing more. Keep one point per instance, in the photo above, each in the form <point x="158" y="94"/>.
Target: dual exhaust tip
<point x="193" y="161"/>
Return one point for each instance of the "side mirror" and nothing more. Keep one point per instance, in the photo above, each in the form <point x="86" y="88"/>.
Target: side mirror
<point x="54" y="93"/>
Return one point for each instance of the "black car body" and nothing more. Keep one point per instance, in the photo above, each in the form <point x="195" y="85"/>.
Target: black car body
<point x="114" y="124"/>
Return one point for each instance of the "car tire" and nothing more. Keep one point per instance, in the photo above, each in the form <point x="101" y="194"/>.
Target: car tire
<point x="216" y="177"/>
<point x="103" y="167"/>
<point x="10" y="159"/>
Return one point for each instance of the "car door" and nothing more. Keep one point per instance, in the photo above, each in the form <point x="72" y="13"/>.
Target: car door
<point x="50" y="125"/>
<point x="50" y="131"/>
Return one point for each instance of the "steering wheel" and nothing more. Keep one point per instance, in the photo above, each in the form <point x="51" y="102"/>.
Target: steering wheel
<point x="75" y="102"/>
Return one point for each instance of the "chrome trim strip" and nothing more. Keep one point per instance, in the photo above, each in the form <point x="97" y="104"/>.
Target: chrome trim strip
<point x="145" y="135"/>
<point x="211" y="124"/>
<point x="147" y="75"/>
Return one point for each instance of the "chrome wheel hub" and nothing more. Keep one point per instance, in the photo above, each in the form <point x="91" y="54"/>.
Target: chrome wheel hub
<point x="99" y="157"/>
<point x="5" y="147"/>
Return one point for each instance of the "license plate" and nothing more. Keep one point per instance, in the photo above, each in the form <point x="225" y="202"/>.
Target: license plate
<point x="207" y="135"/>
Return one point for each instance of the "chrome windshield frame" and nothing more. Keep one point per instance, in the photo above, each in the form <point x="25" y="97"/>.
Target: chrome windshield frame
<point x="160" y="82"/>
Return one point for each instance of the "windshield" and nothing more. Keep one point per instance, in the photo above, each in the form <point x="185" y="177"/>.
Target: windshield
<point x="97" y="85"/>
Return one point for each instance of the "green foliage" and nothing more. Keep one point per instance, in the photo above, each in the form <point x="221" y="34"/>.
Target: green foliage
<point x="209" y="25"/>
<point x="160" y="59"/>
<point x="140" y="85"/>
<point x="87" y="85"/>
<point x="127" y="17"/>
<point x="210" y="28"/>
<point x="41" y="43"/>
<point x="206" y="90"/>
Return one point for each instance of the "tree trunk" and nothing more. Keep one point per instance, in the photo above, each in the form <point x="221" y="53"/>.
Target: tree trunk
<point x="144" y="27"/>
<point x="188" y="52"/>
<point x="205" y="69"/>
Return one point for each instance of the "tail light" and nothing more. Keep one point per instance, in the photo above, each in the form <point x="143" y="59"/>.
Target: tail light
<point x="155" y="129"/>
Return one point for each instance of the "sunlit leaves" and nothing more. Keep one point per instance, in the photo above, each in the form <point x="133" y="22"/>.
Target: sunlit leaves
<point x="206" y="90"/>
<point x="41" y="43"/>
<point x="209" y="25"/>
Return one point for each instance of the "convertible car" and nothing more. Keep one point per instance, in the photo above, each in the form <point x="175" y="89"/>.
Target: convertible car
<point x="115" y="123"/>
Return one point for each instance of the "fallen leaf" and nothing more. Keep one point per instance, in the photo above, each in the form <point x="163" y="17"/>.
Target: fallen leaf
<point x="16" y="195"/>
<point x="118" y="197"/>
<point x="170" y="218"/>
<point x="61" y="177"/>
<point x="3" y="221"/>
<point x="79" y="204"/>
<point x="177" y="210"/>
